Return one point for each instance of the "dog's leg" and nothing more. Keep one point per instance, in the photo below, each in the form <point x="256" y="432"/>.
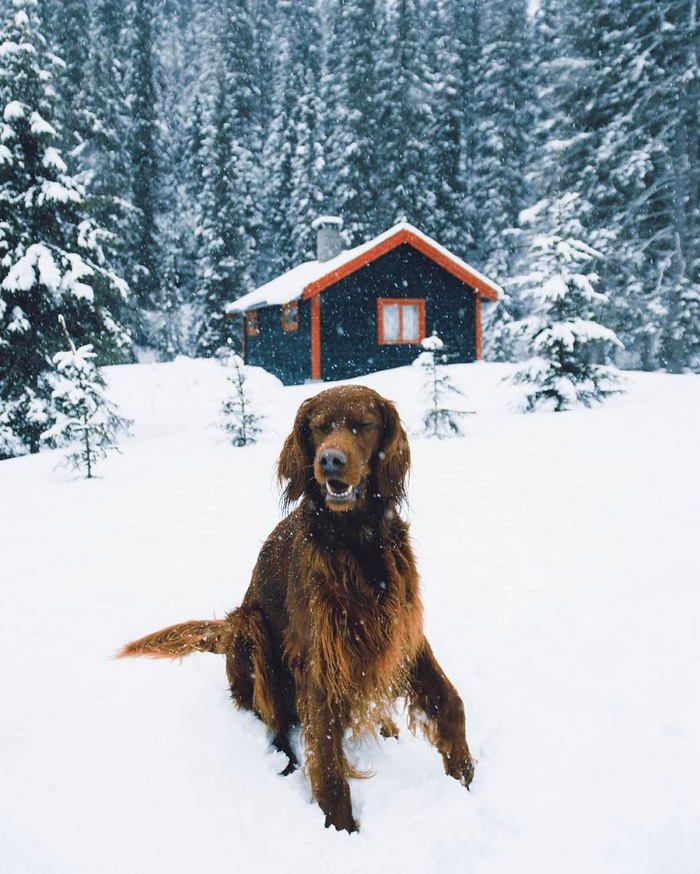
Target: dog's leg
<point x="323" y="729"/>
<point x="259" y="681"/>
<point x="282" y="742"/>
<point x="432" y="693"/>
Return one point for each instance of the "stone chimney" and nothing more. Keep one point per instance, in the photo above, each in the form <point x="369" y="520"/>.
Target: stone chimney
<point x="329" y="240"/>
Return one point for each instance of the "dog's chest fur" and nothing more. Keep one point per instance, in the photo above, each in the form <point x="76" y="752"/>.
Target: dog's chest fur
<point x="364" y="622"/>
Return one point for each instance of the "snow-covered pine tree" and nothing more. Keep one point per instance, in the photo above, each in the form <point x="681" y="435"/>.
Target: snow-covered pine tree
<point x="230" y="219"/>
<point x="632" y="153"/>
<point x="569" y="348"/>
<point x="68" y="23"/>
<point x="52" y="254"/>
<point x="352" y="177"/>
<point x="104" y="159"/>
<point x="439" y="419"/>
<point x="238" y="415"/>
<point x="454" y="52"/>
<point x="404" y="117"/>
<point x="502" y="142"/>
<point x="292" y="158"/>
<point x="180" y="198"/>
<point x="87" y="421"/>
<point x="142" y="83"/>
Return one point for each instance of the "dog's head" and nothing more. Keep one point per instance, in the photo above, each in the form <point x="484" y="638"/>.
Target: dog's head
<point x="347" y="447"/>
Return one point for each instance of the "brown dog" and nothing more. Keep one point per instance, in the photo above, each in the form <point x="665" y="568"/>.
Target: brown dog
<point x="330" y="632"/>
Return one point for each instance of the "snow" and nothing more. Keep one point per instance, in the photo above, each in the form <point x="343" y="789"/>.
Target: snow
<point x="283" y="289"/>
<point x="19" y="323"/>
<point x="291" y="285"/>
<point x="574" y="331"/>
<point x="13" y="111"/>
<point x="321" y="220"/>
<point x="53" y="159"/>
<point x="79" y="358"/>
<point x="559" y="564"/>
<point x="57" y="192"/>
<point x="78" y="270"/>
<point x="23" y="274"/>
<point x="432" y="343"/>
<point x="39" y="125"/>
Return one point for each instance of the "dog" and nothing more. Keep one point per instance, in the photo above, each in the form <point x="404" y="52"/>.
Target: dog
<point x="330" y="632"/>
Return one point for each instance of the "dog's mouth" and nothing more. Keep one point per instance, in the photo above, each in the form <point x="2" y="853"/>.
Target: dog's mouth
<point x="339" y="493"/>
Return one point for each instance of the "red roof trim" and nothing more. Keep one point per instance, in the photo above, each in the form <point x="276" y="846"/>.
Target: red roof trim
<point x="397" y="239"/>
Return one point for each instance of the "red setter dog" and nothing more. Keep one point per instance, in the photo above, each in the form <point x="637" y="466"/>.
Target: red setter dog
<point x="330" y="631"/>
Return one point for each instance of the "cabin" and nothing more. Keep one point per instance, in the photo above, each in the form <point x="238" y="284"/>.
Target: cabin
<point x="356" y="311"/>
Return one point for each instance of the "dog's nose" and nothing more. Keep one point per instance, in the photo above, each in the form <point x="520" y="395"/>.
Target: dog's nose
<point x="332" y="460"/>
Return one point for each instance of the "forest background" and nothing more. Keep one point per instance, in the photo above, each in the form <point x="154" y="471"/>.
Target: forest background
<point x="206" y="135"/>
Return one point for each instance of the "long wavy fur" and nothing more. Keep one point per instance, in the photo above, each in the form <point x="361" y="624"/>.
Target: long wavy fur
<point x="180" y="640"/>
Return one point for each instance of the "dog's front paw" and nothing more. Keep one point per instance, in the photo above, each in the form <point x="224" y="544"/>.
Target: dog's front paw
<point x="334" y="800"/>
<point x="342" y="821"/>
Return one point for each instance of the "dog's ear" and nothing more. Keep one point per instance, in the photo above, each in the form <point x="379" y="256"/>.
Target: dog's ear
<point x="294" y="468"/>
<point x="394" y="459"/>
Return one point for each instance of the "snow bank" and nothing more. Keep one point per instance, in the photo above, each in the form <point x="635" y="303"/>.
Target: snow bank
<point x="558" y="558"/>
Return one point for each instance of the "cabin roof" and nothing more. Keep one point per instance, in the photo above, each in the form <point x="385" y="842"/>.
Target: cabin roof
<point x="310" y="278"/>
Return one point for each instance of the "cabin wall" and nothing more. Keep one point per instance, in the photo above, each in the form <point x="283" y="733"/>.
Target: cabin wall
<point x="286" y="354"/>
<point x="349" y="344"/>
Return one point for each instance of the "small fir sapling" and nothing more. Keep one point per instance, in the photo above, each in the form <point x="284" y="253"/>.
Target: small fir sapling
<point x="87" y="422"/>
<point x="439" y="419"/>
<point x="566" y="342"/>
<point x="239" y="418"/>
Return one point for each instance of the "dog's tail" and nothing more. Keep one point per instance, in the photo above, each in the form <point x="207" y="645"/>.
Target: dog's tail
<point x="177" y="641"/>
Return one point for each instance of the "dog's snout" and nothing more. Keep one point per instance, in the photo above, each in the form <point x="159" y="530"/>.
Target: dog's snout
<point x="332" y="460"/>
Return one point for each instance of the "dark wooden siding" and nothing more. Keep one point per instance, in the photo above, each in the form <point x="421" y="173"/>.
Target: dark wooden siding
<point x="349" y="344"/>
<point x="286" y="354"/>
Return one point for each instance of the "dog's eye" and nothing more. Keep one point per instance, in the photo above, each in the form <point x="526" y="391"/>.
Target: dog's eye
<point x="361" y="426"/>
<point x="321" y="429"/>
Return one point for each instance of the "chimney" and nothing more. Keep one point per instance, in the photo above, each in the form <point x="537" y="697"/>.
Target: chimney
<point x="329" y="241"/>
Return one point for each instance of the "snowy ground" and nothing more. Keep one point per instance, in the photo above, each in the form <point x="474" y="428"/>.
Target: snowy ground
<point x="559" y="556"/>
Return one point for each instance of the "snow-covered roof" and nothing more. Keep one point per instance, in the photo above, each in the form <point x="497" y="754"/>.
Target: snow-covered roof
<point x="312" y="277"/>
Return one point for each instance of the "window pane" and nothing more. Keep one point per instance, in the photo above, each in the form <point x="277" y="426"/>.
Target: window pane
<point x="390" y="322"/>
<point x="410" y="322"/>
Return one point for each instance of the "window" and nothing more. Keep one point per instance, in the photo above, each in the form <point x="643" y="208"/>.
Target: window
<point x="290" y="316"/>
<point x="251" y="323"/>
<point x="400" y="320"/>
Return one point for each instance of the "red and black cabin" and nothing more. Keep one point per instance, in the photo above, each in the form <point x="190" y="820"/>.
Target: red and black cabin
<point x="363" y="309"/>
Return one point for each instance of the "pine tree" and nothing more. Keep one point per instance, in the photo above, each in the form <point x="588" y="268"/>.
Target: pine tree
<point x="404" y="118"/>
<point x="502" y="154"/>
<point x="633" y="108"/>
<point x="68" y="24"/>
<point x="351" y="175"/>
<point x="453" y="41"/>
<point x="180" y="193"/>
<point x="439" y="420"/>
<point x="292" y="161"/>
<point x="87" y="422"/>
<point x="145" y="150"/>
<point x="53" y="256"/>
<point x="230" y="220"/>
<point x="566" y="342"/>
<point x="104" y="159"/>
<point x="239" y="418"/>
